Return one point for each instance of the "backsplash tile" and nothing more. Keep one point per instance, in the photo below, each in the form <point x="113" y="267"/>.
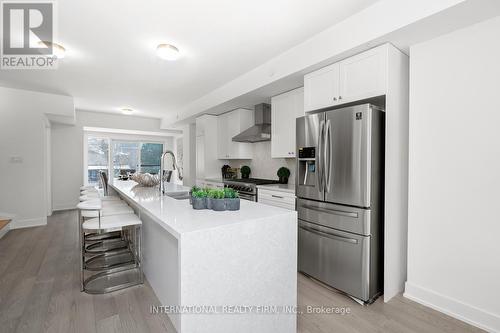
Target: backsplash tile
<point x="263" y="166"/>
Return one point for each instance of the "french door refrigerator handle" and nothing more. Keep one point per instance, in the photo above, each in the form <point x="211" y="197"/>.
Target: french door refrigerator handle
<point x="329" y="235"/>
<point x="319" y="171"/>
<point x="328" y="155"/>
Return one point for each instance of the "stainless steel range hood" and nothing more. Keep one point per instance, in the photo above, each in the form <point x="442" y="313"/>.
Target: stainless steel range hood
<point x="261" y="131"/>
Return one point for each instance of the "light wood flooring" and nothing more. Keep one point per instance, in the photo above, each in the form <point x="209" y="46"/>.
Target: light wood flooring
<point x="39" y="292"/>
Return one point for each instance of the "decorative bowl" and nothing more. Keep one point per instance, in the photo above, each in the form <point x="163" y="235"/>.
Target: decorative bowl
<point x="145" y="179"/>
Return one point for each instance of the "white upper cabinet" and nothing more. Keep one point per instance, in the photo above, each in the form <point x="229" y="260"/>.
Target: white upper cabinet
<point x="285" y="109"/>
<point x="321" y="88"/>
<point x="363" y="76"/>
<point x="207" y="164"/>
<point x="222" y="143"/>
<point x="355" y="78"/>
<point x="200" y="157"/>
<point x="231" y="124"/>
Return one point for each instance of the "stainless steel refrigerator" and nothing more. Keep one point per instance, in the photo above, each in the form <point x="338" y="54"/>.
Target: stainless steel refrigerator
<point x="340" y="196"/>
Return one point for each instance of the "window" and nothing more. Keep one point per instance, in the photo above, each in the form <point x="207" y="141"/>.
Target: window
<point x="125" y="157"/>
<point x="121" y="156"/>
<point x="150" y="157"/>
<point x="97" y="159"/>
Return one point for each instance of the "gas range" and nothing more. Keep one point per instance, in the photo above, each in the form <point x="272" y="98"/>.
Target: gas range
<point x="247" y="187"/>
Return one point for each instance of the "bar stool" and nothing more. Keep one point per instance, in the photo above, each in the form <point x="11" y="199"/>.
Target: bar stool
<point x="99" y="242"/>
<point x="118" y="267"/>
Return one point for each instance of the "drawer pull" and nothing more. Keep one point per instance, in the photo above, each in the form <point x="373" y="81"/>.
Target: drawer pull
<point x="329" y="235"/>
<point x="331" y="211"/>
<point x="276" y="196"/>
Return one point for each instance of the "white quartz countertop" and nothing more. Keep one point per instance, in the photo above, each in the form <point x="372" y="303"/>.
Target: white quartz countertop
<point x="178" y="217"/>
<point x="288" y="188"/>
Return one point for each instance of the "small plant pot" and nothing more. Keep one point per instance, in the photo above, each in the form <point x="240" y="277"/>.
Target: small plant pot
<point x="245" y="176"/>
<point x="218" y="204"/>
<point x="199" y="203"/>
<point x="232" y="204"/>
<point x="283" y="180"/>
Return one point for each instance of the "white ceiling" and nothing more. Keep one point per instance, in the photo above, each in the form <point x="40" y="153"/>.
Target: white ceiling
<point x="111" y="63"/>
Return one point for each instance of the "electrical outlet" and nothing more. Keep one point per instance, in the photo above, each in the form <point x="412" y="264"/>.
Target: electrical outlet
<point x="16" y="159"/>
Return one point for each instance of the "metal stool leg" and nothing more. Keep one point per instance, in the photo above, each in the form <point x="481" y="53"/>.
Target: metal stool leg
<point x="81" y="245"/>
<point x="139" y="250"/>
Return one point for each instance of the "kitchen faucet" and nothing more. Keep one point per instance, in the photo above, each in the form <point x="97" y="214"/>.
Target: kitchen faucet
<point x="174" y="165"/>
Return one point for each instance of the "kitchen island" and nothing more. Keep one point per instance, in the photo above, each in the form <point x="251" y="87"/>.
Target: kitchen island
<point x="232" y="271"/>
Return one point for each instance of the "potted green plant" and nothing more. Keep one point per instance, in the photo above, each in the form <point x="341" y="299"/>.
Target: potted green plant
<point x="216" y="200"/>
<point x="283" y="174"/>
<point x="199" y="199"/>
<point x="193" y="189"/>
<point x="232" y="199"/>
<point x="245" y="171"/>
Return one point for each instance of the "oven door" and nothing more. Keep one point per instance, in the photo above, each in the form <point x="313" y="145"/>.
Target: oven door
<point x="246" y="196"/>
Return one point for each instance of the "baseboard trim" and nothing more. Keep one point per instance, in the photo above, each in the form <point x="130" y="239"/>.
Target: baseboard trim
<point x="452" y="307"/>
<point x="7" y="215"/>
<point x="27" y="223"/>
<point x="68" y="206"/>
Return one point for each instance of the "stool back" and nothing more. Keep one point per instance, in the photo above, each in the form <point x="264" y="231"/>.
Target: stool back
<point x="104" y="181"/>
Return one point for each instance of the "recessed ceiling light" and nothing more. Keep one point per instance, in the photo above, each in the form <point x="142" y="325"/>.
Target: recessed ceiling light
<point x="167" y="52"/>
<point x="127" y="111"/>
<point x="58" y="50"/>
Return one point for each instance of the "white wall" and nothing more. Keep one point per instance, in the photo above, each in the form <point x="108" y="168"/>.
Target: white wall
<point x="68" y="144"/>
<point x="454" y="174"/>
<point x="23" y="137"/>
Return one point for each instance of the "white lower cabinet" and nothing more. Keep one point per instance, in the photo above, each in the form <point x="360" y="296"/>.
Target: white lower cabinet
<point x="276" y="198"/>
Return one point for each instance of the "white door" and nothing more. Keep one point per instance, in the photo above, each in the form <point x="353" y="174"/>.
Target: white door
<point x="363" y="76"/>
<point x="321" y="88"/>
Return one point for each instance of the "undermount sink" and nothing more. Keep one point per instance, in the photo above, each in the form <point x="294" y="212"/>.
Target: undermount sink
<point x="178" y="195"/>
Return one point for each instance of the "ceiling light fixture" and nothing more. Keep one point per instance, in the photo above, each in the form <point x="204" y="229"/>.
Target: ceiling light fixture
<point x="167" y="52"/>
<point x="127" y="111"/>
<point x="57" y="50"/>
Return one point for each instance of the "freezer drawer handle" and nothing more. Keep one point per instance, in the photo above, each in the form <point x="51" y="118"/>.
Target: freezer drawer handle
<point x="328" y="235"/>
<point x="331" y="211"/>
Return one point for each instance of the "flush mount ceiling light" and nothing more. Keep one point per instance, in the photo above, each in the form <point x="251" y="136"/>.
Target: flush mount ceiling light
<point x="167" y="52"/>
<point x="127" y="111"/>
<point x="57" y="50"/>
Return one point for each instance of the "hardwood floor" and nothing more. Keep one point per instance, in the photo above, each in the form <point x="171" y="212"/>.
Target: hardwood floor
<point x="39" y="292"/>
